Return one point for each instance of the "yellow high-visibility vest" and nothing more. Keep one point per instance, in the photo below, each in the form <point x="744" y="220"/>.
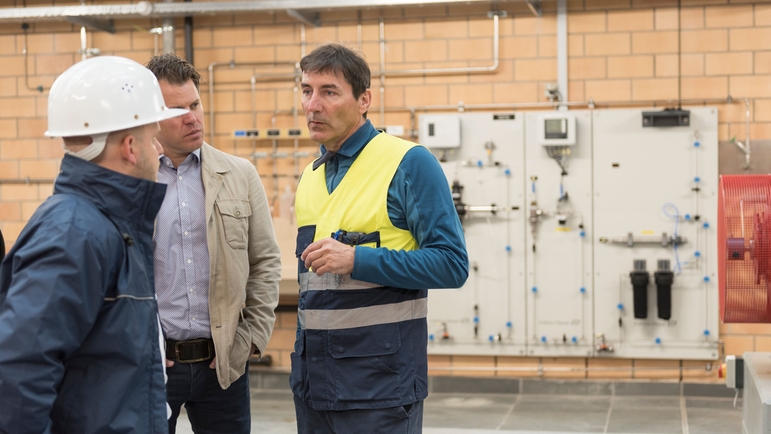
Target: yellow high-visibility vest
<point x="359" y="202"/>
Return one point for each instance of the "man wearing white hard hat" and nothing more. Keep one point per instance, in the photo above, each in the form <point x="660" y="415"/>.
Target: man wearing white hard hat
<point x="79" y="334"/>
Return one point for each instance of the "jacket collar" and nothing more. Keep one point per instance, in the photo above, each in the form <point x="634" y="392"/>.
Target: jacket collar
<point x="213" y="167"/>
<point x="115" y="194"/>
<point x="213" y="160"/>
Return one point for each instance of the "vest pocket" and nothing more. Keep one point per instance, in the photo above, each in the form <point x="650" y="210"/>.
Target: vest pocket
<point x="235" y="213"/>
<point x="298" y="380"/>
<point x="366" y="362"/>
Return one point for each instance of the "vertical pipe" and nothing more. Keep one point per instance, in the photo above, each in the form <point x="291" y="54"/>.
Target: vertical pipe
<point x="168" y="32"/>
<point x="274" y="160"/>
<point x="382" y="75"/>
<point x="254" y="100"/>
<point x="747" y="149"/>
<point x="296" y="115"/>
<point x="189" y="38"/>
<point x="83" y="39"/>
<point x="358" y="32"/>
<point x="83" y="44"/>
<point x="562" y="51"/>
<point x="211" y="102"/>
<point x="297" y="103"/>
<point x="254" y="114"/>
<point x="302" y="40"/>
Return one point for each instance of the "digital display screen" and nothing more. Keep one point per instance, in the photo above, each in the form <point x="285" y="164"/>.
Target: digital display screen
<point x="556" y="128"/>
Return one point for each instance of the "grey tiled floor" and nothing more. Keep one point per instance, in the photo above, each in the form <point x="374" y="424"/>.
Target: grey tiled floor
<point x="463" y="413"/>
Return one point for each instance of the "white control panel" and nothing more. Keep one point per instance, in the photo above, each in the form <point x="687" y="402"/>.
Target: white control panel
<point x="588" y="235"/>
<point x="440" y="131"/>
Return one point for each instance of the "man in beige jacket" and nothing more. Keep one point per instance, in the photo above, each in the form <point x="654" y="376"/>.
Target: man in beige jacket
<point x="217" y="264"/>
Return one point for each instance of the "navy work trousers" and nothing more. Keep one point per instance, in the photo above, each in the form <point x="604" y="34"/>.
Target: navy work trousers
<point x="210" y="409"/>
<point x="406" y="419"/>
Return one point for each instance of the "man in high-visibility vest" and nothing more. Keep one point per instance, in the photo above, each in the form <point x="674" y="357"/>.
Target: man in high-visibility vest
<point x="376" y="228"/>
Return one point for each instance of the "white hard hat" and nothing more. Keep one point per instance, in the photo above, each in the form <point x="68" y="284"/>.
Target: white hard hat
<point x="104" y="94"/>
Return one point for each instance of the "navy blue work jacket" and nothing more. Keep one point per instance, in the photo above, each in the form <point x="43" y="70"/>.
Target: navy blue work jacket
<point x="79" y="344"/>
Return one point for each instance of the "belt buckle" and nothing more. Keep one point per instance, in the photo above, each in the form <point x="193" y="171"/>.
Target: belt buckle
<point x="193" y="341"/>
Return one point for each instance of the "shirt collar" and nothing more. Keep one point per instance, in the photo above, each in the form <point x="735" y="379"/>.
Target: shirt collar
<point x="352" y="145"/>
<point x="166" y="161"/>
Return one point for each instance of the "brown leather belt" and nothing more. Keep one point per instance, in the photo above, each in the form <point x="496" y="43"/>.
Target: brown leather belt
<point x="190" y="351"/>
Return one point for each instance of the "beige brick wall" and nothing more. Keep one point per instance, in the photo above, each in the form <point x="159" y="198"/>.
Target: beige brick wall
<point x="619" y="50"/>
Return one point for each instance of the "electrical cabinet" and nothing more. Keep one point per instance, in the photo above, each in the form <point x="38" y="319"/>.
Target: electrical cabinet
<point x="601" y="245"/>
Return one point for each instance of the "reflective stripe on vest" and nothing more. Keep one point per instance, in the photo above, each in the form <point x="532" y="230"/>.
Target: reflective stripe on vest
<point x="328" y="281"/>
<point x="339" y="319"/>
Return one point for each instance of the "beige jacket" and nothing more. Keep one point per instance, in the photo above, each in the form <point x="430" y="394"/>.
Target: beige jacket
<point x="245" y="262"/>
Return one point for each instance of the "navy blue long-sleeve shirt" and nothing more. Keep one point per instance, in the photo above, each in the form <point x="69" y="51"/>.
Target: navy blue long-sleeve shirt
<point x="419" y="201"/>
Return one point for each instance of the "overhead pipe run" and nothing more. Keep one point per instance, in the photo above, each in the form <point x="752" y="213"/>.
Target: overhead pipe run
<point x="382" y="73"/>
<point x="463" y="70"/>
<point x="145" y="9"/>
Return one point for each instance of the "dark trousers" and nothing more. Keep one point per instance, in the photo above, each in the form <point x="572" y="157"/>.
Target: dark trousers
<point x="406" y="419"/>
<point x="210" y="409"/>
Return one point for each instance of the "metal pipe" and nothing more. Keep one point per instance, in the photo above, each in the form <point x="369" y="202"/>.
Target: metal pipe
<point x="232" y="64"/>
<point x="303" y="43"/>
<point x="297" y="83"/>
<point x="471" y="69"/>
<point x="27" y="181"/>
<point x="274" y="159"/>
<point x="39" y="88"/>
<point x="591" y="104"/>
<point x="211" y="100"/>
<point x="358" y="32"/>
<point x="382" y="75"/>
<point x="562" y="51"/>
<point x="745" y="147"/>
<point x="253" y="81"/>
<point x="83" y="43"/>
<point x="169" y="43"/>
<point x="296" y="116"/>
<point x="747" y="132"/>
<point x="189" y="37"/>
<point x="146" y="9"/>
<point x="156" y="31"/>
<point x="83" y="39"/>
